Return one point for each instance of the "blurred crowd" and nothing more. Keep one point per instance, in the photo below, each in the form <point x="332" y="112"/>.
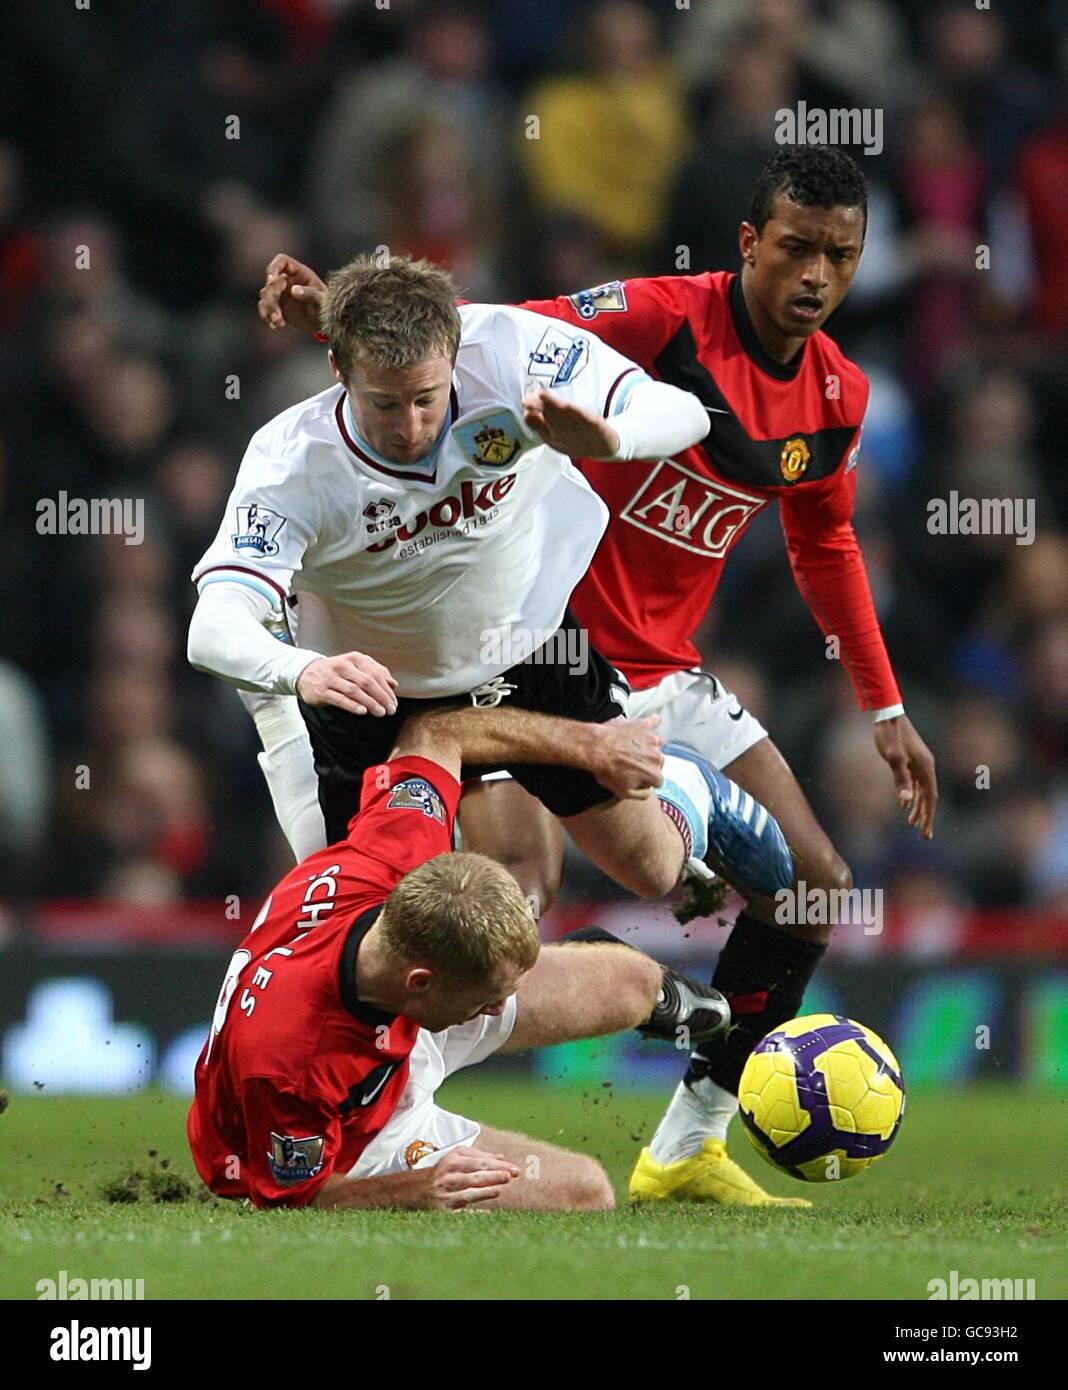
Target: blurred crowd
<point x="152" y="158"/>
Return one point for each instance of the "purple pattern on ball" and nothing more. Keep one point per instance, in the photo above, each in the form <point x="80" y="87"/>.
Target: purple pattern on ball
<point x="821" y="1134"/>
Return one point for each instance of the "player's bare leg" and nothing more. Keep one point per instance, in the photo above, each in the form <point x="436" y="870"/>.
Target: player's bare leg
<point x="504" y="822"/>
<point x="642" y="843"/>
<point x="634" y="842"/>
<point x="695" y="812"/>
<point x="583" y="990"/>
<point x="586" y="988"/>
<point x="550" y="1178"/>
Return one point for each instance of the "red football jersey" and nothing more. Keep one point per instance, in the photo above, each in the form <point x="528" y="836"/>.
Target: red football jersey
<point x="788" y="433"/>
<point x="297" y="1076"/>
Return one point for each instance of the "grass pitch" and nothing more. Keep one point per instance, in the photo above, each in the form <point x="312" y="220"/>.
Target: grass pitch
<point x="976" y="1182"/>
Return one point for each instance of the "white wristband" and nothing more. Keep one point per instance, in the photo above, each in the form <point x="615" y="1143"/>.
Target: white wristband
<point x="891" y="712"/>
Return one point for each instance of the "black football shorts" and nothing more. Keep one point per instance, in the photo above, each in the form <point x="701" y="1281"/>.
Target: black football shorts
<point x="547" y="682"/>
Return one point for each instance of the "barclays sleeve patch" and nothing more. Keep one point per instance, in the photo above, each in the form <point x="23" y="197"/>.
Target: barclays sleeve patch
<point x="295" y="1160"/>
<point x="602" y="299"/>
<point x="415" y="794"/>
<point x="258" y="529"/>
<point x="559" y="357"/>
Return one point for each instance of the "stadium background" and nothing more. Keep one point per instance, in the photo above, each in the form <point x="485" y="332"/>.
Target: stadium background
<point x="136" y="836"/>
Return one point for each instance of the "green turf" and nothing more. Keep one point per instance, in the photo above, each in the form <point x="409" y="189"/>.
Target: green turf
<point x="977" y="1182"/>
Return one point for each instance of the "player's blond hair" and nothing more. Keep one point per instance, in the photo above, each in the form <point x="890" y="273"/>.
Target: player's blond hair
<point x="395" y="313"/>
<point x="461" y="914"/>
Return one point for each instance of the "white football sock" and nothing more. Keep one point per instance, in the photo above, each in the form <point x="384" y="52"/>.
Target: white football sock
<point x="694" y="1115"/>
<point x="686" y="790"/>
<point x="289" y="768"/>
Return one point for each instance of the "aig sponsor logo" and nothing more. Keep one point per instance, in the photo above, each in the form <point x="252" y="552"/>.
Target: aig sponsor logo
<point x="698" y="514"/>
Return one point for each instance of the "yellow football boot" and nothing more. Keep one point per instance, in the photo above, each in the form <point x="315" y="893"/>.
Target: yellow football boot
<point x="708" y="1176"/>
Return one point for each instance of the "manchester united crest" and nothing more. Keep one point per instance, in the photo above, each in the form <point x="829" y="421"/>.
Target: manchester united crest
<point x="418" y="1150"/>
<point x="794" y="458"/>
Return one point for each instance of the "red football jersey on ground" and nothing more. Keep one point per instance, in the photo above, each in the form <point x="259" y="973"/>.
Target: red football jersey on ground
<point x="297" y="1077"/>
<point x="778" y="433"/>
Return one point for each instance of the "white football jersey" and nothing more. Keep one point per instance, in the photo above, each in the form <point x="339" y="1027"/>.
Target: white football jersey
<point x="438" y="568"/>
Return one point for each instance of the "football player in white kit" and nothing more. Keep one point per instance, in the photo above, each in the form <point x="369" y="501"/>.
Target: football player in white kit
<point x="425" y="518"/>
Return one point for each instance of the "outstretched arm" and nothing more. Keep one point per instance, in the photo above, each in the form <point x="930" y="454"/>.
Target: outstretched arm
<point x="580" y="395"/>
<point x="829" y="569"/>
<point x="624" y="755"/>
<point x="636" y="418"/>
<point x="636" y="317"/>
<point x="657" y="421"/>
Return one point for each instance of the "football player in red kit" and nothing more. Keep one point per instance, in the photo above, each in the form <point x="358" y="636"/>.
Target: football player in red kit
<point x="786" y="409"/>
<point x="383" y="963"/>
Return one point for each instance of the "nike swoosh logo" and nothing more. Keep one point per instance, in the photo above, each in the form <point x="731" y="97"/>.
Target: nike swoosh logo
<point x="368" y="1099"/>
<point x="735" y="717"/>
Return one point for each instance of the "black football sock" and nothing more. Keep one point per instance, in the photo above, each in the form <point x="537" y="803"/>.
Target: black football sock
<point x="764" y="973"/>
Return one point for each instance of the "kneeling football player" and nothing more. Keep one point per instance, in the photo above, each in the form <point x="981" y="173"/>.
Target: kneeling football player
<point x="384" y="963"/>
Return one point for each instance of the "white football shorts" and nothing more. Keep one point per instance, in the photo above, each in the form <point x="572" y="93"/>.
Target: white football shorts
<point x="697" y="709"/>
<point x="420" y="1133"/>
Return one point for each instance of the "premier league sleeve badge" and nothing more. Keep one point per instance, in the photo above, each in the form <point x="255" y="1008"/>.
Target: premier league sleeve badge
<point x="295" y="1160"/>
<point x="257" y="531"/>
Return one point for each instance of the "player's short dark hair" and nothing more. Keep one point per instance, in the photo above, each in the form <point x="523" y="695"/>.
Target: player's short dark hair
<point x="816" y="176"/>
